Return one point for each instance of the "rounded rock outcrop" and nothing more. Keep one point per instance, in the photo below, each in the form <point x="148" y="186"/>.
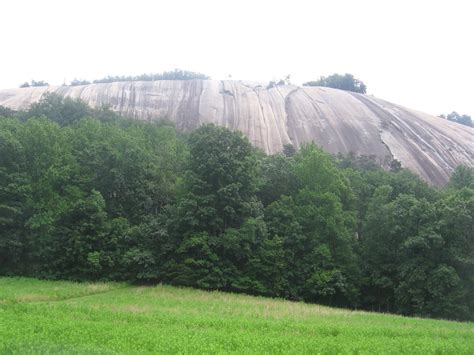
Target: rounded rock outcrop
<point x="338" y="121"/>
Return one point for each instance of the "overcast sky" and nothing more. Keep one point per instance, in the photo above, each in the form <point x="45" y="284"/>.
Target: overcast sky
<point x="416" y="53"/>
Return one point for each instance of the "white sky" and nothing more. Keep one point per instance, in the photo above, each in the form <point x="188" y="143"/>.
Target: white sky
<point x="416" y="53"/>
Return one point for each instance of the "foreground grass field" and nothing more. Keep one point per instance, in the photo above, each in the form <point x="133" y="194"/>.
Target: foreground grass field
<point x="64" y="317"/>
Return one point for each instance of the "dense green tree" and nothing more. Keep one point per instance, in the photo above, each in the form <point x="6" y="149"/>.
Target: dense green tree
<point x="284" y="228"/>
<point x="462" y="119"/>
<point x="427" y="285"/>
<point x="318" y="171"/>
<point x="63" y="110"/>
<point x="134" y="168"/>
<point x="357" y="162"/>
<point x="455" y="222"/>
<point x="289" y="150"/>
<point x="463" y="176"/>
<point x="6" y="112"/>
<point x="329" y="231"/>
<point x="217" y="200"/>
<point x="379" y="251"/>
<point x="87" y="195"/>
<point x="319" y="246"/>
<point x="436" y="263"/>
<point x="14" y="191"/>
<point x="221" y="178"/>
<point x="277" y="178"/>
<point x="343" y="82"/>
<point x="39" y="83"/>
<point x="80" y="241"/>
<point x="409" y="263"/>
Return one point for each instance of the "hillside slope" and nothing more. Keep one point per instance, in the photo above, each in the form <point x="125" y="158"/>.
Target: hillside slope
<point x="338" y="121"/>
<point x="101" y="318"/>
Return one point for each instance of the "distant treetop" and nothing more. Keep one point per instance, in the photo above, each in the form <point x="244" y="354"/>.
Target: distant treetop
<point x="176" y="74"/>
<point x="77" y="82"/>
<point x="456" y="117"/>
<point x="343" y="82"/>
<point x="34" y="83"/>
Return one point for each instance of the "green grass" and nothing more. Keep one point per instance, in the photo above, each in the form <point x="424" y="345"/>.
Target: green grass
<point x="43" y="317"/>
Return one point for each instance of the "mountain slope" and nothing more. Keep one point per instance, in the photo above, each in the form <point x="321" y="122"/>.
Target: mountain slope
<point x="338" y="121"/>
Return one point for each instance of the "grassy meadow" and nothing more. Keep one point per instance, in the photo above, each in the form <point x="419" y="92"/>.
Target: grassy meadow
<point x="63" y="317"/>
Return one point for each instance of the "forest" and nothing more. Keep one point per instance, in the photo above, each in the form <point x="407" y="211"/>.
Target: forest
<point x="88" y="195"/>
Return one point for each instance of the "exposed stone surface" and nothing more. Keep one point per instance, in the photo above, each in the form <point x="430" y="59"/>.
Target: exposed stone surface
<point x="336" y="120"/>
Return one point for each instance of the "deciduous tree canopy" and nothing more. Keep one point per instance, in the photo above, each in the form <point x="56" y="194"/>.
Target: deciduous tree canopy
<point x="86" y="195"/>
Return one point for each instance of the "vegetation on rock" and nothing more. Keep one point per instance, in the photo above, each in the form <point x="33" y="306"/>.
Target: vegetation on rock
<point x="456" y="117"/>
<point x="34" y="83"/>
<point x="342" y="82"/>
<point x="176" y="74"/>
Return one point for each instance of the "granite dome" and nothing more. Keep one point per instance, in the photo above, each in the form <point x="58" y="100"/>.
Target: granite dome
<point x="338" y="121"/>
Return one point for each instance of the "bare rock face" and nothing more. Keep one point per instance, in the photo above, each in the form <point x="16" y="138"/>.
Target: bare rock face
<point x="338" y="121"/>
